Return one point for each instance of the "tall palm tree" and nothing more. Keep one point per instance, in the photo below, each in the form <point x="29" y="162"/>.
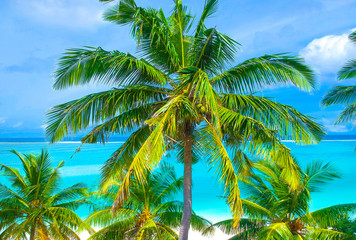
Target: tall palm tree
<point x="34" y="206"/>
<point x="182" y="94"/>
<point x="274" y="211"/>
<point x="151" y="211"/>
<point x="344" y="94"/>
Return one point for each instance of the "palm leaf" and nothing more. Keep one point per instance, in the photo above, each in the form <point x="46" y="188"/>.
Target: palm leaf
<point x="82" y="66"/>
<point x="268" y="70"/>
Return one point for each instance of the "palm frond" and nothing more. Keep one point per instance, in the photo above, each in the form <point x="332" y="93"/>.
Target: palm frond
<point x="210" y="7"/>
<point x="276" y="231"/>
<point x="145" y="158"/>
<point x="348" y="71"/>
<point x="78" y="114"/>
<point x="121" y="158"/>
<point x="286" y="120"/>
<point x="247" y="228"/>
<point x="347" y="115"/>
<point x="319" y="174"/>
<point x="212" y="51"/>
<point x="326" y="234"/>
<point x="123" y="123"/>
<point x="329" y="216"/>
<point x="267" y="70"/>
<point x="340" y="95"/>
<point x="82" y="66"/>
<point x="151" y="31"/>
<point x="219" y="158"/>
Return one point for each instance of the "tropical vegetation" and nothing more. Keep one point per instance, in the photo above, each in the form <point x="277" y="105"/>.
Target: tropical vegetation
<point x="150" y="212"/>
<point x="182" y="91"/>
<point x="34" y="207"/>
<point x="346" y="224"/>
<point x="275" y="211"/>
<point x="345" y="95"/>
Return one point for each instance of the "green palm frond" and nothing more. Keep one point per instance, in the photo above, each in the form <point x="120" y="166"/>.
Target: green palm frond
<point x="14" y="176"/>
<point x="330" y="216"/>
<point x="327" y="234"/>
<point x="340" y="95"/>
<point x="247" y="228"/>
<point x="82" y="66"/>
<point x="126" y="122"/>
<point x="319" y="174"/>
<point x="348" y="71"/>
<point x="219" y="158"/>
<point x="69" y="194"/>
<point x="286" y="120"/>
<point x="122" y="157"/>
<point x="78" y="114"/>
<point x="212" y="50"/>
<point x="256" y="211"/>
<point x="276" y="231"/>
<point x="142" y="162"/>
<point x="150" y="211"/>
<point x="173" y="219"/>
<point x="150" y="29"/>
<point x="210" y="7"/>
<point x="114" y="231"/>
<point x="261" y="141"/>
<point x="144" y="158"/>
<point x="267" y="70"/>
<point x="347" y="115"/>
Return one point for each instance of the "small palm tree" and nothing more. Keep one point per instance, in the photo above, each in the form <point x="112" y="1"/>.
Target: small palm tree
<point x="151" y="211"/>
<point x="274" y="211"/>
<point x="34" y="207"/>
<point x="183" y="92"/>
<point x="344" y="94"/>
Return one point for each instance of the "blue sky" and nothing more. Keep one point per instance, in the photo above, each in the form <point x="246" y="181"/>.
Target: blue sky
<point x="34" y="33"/>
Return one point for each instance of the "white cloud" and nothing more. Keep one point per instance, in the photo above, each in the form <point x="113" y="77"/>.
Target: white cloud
<point x="2" y="120"/>
<point x="329" y="53"/>
<point x="16" y="125"/>
<point x="44" y="126"/>
<point x="65" y="13"/>
<point x="330" y="127"/>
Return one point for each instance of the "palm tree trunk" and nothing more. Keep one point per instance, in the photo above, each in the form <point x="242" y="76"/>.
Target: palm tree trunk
<point x="33" y="231"/>
<point x="187" y="185"/>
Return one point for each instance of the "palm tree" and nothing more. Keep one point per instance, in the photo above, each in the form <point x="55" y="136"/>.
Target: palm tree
<point x="182" y="94"/>
<point x="34" y="207"/>
<point x="346" y="225"/>
<point x="344" y="94"/>
<point x="274" y="211"/>
<point x="151" y="211"/>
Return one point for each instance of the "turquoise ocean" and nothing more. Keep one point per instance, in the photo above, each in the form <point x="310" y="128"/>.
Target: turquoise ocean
<point x="85" y="165"/>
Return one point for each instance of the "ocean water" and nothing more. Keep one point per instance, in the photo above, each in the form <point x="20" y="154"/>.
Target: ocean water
<point x="85" y="165"/>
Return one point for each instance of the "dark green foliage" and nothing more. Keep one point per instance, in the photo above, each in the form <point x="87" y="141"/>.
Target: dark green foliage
<point x="35" y="206"/>
<point x="151" y="211"/>
<point x="346" y="225"/>
<point x="275" y="211"/>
